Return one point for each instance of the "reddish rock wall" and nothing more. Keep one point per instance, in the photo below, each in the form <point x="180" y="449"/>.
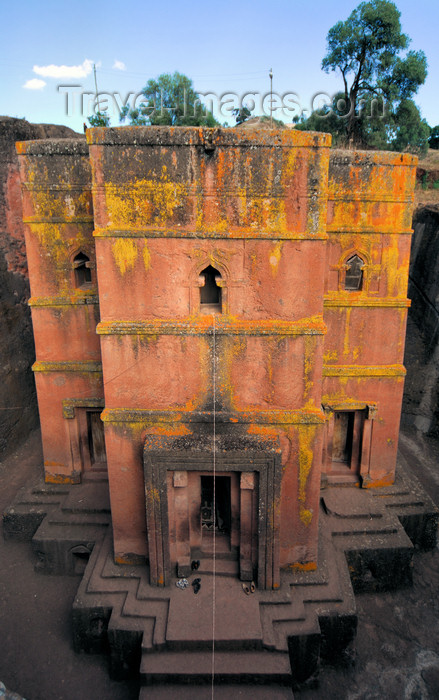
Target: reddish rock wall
<point x="58" y="213"/>
<point x="18" y="407"/>
<point x="369" y="215"/>
<point x="285" y="363"/>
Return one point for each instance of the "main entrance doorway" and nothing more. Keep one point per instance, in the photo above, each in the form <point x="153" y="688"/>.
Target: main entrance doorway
<point x="190" y="509"/>
<point x="215" y="513"/>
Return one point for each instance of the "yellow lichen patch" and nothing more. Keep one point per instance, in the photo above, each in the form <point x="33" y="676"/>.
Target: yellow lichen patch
<point x="346" y="333"/>
<point x="369" y="483"/>
<point x="153" y="495"/>
<point x="56" y="233"/>
<point x="144" y="202"/>
<point x="127" y="559"/>
<point x="308" y="365"/>
<point x="58" y="479"/>
<point x="311" y="408"/>
<point x="125" y="254"/>
<point x="274" y="257"/>
<point x="330" y="356"/>
<point x="289" y="165"/>
<point x="396" y="269"/>
<point x="306" y="440"/>
<point x="305" y="516"/>
<point x="146" y="256"/>
<point x="303" y="566"/>
<point x="241" y="200"/>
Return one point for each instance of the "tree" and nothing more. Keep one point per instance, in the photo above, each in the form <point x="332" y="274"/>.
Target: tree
<point x="403" y="130"/>
<point x="433" y="140"/>
<point x="99" y="119"/>
<point x="369" y="51"/>
<point x="328" y="119"/>
<point x="169" y="100"/>
<point x="241" y="114"/>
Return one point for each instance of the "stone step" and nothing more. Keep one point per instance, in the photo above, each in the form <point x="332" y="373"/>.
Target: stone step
<point x="58" y="519"/>
<point x="95" y="475"/>
<point x="227" y="666"/>
<point x="40" y="499"/>
<point x="20" y="522"/>
<point x="91" y="497"/>
<point x="155" y="610"/>
<point x="76" y="530"/>
<point x="220" y="692"/>
<point x="220" y="609"/>
<point x="64" y="549"/>
<point x="222" y="567"/>
<point x="272" y="614"/>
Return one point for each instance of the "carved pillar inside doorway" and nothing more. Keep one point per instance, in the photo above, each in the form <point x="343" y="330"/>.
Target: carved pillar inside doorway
<point x="259" y="465"/>
<point x="367" y="440"/>
<point x="246" y="565"/>
<point x="181" y="515"/>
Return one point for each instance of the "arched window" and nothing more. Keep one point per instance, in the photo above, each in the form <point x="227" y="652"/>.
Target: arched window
<point x="81" y="265"/>
<point x="354" y="274"/>
<point x="210" y="292"/>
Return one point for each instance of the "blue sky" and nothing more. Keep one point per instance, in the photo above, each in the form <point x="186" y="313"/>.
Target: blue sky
<point x="225" y="47"/>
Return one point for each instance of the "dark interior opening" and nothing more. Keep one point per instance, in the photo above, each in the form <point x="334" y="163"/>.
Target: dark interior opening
<point x="210" y="292"/>
<point x="96" y="437"/>
<point x="82" y="270"/>
<point x="343" y="436"/>
<point x="215" y="516"/>
<point x="354" y="274"/>
<point x="80" y="557"/>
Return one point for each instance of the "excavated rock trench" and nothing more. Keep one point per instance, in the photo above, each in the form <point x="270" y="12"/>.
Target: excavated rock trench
<point x="397" y="649"/>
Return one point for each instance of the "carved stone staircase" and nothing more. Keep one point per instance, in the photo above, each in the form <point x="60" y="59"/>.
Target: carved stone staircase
<point x="266" y="637"/>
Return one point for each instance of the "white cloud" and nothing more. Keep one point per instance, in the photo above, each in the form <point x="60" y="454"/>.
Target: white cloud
<point x="119" y="65"/>
<point x="53" y="71"/>
<point x="34" y="84"/>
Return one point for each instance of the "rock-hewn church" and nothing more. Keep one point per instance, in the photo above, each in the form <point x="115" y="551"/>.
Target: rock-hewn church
<point x="219" y="319"/>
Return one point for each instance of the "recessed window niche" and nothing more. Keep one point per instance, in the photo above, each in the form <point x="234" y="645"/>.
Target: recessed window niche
<point x="81" y="266"/>
<point x="210" y="291"/>
<point x="354" y="274"/>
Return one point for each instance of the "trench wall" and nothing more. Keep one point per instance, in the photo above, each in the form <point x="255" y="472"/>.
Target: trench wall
<point x="18" y="405"/>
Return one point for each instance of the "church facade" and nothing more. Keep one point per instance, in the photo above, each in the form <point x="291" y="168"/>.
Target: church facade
<point x="219" y="319"/>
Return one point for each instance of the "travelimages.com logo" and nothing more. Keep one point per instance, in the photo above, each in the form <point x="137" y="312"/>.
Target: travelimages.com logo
<point x="288" y="106"/>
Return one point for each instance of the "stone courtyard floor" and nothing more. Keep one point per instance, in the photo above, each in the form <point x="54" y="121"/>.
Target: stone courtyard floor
<point x="397" y="649"/>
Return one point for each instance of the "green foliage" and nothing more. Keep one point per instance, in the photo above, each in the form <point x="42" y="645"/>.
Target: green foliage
<point x="99" y="119"/>
<point x="169" y="100"/>
<point x="241" y="114"/>
<point x="410" y="132"/>
<point x="330" y="119"/>
<point x="379" y="78"/>
<point x="403" y="130"/>
<point x="433" y="140"/>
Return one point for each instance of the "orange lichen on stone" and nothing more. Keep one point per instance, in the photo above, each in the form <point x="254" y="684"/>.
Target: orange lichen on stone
<point x="306" y="457"/>
<point x="303" y="566"/>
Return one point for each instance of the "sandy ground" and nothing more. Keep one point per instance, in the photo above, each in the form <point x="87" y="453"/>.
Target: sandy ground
<point x="397" y="650"/>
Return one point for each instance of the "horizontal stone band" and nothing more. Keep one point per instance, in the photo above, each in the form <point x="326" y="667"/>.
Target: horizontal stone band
<point x="208" y="325"/>
<point x="364" y="371"/>
<point x="84" y="367"/>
